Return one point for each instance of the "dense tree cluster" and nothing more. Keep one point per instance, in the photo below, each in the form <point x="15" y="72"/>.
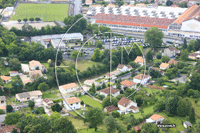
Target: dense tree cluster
<point x="6" y="3"/>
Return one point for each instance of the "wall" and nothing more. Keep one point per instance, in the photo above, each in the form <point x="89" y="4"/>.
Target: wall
<point x="191" y="25"/>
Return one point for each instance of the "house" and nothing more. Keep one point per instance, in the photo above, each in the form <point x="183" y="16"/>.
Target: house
<point x="161" y="71"/>
<point x="8" y="129"/>
<point x="124" y="68"/>
<point x="47" y="103"/>
<point x="6" y="79"/>
<point x="172" y="61"/>
<point x="194" y="55"/>
<point x="25" y="68"/>
<point x="139" y="60"/>
<point x="35" y="73"/>
<point x="128" y="84"/>
<point x="2" y="118"/>
<point x="25" y="79"/>
<point x="33" y="65"/>
<point x="6" y="63"/>
<point x="67" y="88"/>
<point x="72" y="103"/>
<point x="187" y="124"/>
<point x="112" y="74"/>
<point x="141" y="78"/>
<point x="90" y="82"/>
<point x="155" y="119"/>
<point x="126" y="106"/>
<point x="3" y="107"/>
<point x="110" y="90"/>
<point x="110" y="108"/>
<point x="2" y="100"/>
<point x="14" y="73"/>
<point x="26" y="96"/>
<point x="138" y="129"/>
<point x="88" y="2"/>
<point x="171" y="52"/>
<point x="164" y="66"/>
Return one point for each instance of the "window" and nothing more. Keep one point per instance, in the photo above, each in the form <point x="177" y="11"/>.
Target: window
<point x="2" y="101"/>
<point x="71" y="104"/>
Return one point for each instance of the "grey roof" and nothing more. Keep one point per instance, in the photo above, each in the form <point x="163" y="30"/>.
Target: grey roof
<point x="56" y="42"/>
<point x="23" y="95"/>
<point x="2" y="98"/>
<point x="188" y="123"/>
<point x="60" y="23"/>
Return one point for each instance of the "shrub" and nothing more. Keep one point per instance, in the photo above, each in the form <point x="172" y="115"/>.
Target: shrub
<point x="129" y="126"/>
<point x="1" y="111"/>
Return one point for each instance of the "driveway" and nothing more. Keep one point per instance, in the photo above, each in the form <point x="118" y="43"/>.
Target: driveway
<point x="182" y="79"/>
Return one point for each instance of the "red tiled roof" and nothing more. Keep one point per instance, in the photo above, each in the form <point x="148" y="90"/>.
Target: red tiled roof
<point x="124" y="102"/>
<point x="172" y="61"/>
<point x="141" y="76"/>
<point x="5" y="78"/>
<point x="109" y="89"/>
<point x="72" y="100"/>
<point x="134" y="108"/>
<point x="127" y="83"/>
<point x="8" y="128"/>
<point x="129" y="20"/>
<point x="155" y="117"/>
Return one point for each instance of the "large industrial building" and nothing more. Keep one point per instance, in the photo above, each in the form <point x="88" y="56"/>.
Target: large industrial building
<point x="173" y="21"/>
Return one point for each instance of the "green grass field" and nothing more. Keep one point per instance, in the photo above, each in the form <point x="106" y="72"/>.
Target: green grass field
<point x="90" y="101"/>
<point x="82" y="64"/>
<point x="47" y="12"/>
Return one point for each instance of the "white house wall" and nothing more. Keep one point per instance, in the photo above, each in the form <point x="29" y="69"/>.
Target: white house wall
<point x="191" y="25"/>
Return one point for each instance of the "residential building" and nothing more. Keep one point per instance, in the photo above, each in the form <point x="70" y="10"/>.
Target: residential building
<point x="128" y="84"/>
<point x="14" y="73"/>
<point x="90" y="82"/>
<point x="25" y="79"/>
<point x="3" y="107"/>
<point x="172" y="61"/>
<point x="164" y="66"/>
<point x="110" y="108"/>
<point x="25" y="68"/>
<point x="2" y="118"/>
<point x="141" y="78"/>
<point x="126" y="106"/>
<point x="88" y="2"/>
<point x="112" y="74"/>
<point x="124" y="68"/>
<point x="187" y="124"/>
<point x="68" y="88"/>
<point x="194" y="55"/>
<point x="139" y="60"/>
<point x="158" y="119"/>
<point x="110" y="90"/>
<point x="157" y="69"/>
<point x="8" y="129"/>
<point x="72" y="103"/>
<point x="137" y="129"/>
<point x="6" y="79"/>
<point x="47" y="103"/>
<point x="26" y="96"/>
<point x="171" y="52"/>
<point x="35" y="73"/>
<point x="35" y="64"/>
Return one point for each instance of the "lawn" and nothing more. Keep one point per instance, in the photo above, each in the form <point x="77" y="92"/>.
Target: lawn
<point x="147" y="110"/>
<point x="47" y="12"/>
<point x="196" y="106"/>
<point x="82" y="64"/>
<point x="90" y="101"/>
<point x="51" y="95"/>
<point x="8" y="102"/>
<point x="78" y="124"/>
<point x="46" y="65"/>
<point x="4" y="70"/>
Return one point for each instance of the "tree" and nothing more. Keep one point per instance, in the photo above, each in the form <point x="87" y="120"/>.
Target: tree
<point x="25" y="20"/>
<point x="139" y="100"/>
<point x="9" y="109"/>
<point x="95" y="117"/>
<point x="160" y="81"/>
<point x="74" y="54"/>
<point x="15" y="64"/>
<point x="43" y="86"/>
<point x="185" y="43"/>
<point x="160" y="105"/>
<point x="56" y="107"/>
<point x="1" y="111"/>
<point x="192" y="115"/>
<point x="165" y="59"/>
<point x="14" y="130"/>
<point x="37" y="19"/>
<point x="111" y="124"/>
<point x="149" y="56"/>
<point x="55" y="115"/>
<point x="31" y="19"/>
<point x="155" y="73"/>
<point x="183" y="107"/>
<point x="159" y="56"/>
<point x="96" y="56"/>
<point x="40" y="110"/>
<point x="106" y="101"/>
<point x="99" y="44"/>
<point x="154" y="37"/>
<point x="150" y="128"/>
<point x="198" y="126"/>
<point x="171" y="105"/>
<point x="19" y="20"/>
<point x="191" y="46"/>
<point x="115" y="114"/>
<point x="12" y="118"/>
<point x="103" y="85"/>
<point x="31" y="104"/>
<point x="63" y="125"/>
<point x="169" y="3"/>
<point x="93" y="88"/>
<point x="195" y="80"/>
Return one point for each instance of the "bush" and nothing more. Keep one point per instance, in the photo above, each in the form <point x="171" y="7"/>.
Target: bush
<point x="129" y="126"/>
<point x="82" y="102"/>
<point x="1" y="111"/>
<point x="57" y="100"/>
<point x="115" y="114"/>
<point x="40" y="110"/>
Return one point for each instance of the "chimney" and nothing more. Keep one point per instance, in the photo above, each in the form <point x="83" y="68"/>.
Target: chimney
<point x="124" y="104"/>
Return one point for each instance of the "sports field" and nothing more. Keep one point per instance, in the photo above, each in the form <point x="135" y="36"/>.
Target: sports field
<point x="47" y="12"/>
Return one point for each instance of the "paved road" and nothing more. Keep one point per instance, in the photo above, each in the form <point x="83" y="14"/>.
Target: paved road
<point x="77" y="7"/>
